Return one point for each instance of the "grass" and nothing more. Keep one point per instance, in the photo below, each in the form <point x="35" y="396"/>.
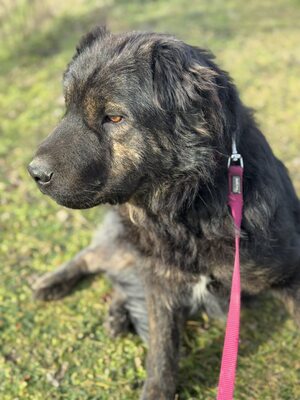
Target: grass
<point x="60" y="350"/>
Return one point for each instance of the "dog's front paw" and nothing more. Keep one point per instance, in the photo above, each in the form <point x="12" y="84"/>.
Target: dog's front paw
<point x="153" y="390"/>
<point x="51" y="286"/>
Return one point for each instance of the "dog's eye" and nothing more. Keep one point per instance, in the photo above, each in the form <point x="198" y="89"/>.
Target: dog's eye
<point x="115" y="119"/>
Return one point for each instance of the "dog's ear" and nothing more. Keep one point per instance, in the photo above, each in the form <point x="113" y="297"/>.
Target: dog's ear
<point x="179" y="77"/>
<point x="185" y="81"/>
<point x="98" y="32"/>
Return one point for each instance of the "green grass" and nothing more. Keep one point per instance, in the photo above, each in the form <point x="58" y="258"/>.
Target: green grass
<point x="60" y="350"/>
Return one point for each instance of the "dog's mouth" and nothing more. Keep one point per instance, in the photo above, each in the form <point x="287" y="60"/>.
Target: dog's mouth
<point x="77" y="189"/>
<point x="84" y="198"/>
<point x="74" y="199"/>
<point x="81" y="202"/>
<point x="77" y="203"/>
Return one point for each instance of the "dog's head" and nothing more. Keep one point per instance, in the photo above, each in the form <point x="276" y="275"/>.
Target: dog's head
<point x="141" y="108"/>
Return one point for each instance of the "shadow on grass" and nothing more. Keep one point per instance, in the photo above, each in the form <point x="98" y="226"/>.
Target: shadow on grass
<point x="200" y="366"/>
<point x="62" y="35"/>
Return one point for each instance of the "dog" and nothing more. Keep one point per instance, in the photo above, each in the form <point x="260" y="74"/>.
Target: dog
<point x="148" y="128"/>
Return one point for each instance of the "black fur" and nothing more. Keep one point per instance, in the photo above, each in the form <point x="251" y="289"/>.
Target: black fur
<point x="165" y="166"/>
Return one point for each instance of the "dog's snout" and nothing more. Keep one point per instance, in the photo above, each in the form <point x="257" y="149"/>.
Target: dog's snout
<point x="40" y="171"/>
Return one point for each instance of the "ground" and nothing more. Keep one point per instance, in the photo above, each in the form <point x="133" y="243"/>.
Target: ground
<point x="60" y="350"/>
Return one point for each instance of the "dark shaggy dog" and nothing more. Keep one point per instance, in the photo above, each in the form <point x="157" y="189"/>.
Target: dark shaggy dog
<point x="148" y="128"/>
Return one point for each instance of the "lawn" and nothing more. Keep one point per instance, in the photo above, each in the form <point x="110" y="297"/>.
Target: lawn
<point x="60" y="350"/>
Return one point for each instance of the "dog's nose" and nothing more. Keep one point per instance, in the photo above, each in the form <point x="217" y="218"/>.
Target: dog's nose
<point x="40" y="171"/>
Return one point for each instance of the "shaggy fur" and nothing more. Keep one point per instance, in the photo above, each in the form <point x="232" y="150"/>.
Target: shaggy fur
<point x="168" y="242"/>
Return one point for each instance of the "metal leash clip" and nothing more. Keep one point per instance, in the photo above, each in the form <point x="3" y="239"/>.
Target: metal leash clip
<point x="235" y="158"/>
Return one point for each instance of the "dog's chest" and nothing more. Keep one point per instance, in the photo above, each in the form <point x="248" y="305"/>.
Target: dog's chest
<point x="199" y="292"/>
<point x="201" y="297"/>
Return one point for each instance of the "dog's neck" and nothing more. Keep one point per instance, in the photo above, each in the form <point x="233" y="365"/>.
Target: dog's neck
<point x="182" y="216"/>
<point x="186" y="200"/>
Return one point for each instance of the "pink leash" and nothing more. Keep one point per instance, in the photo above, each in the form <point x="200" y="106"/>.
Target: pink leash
<point x="231" y="342"/>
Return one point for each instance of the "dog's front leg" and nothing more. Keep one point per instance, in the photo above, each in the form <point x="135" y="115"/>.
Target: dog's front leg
<point x="58" y="283"/>
<point x="165" y="321"/>
<point x="104" y="251"/>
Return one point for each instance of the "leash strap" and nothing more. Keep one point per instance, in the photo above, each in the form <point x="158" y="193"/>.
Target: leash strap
<point x="231" y="342"/>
